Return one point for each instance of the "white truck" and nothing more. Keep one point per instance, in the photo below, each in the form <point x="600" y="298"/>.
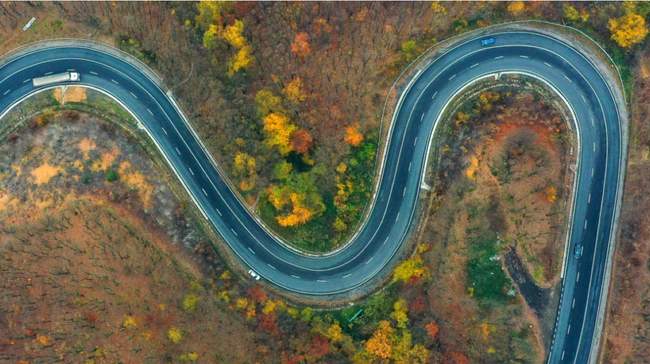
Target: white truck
<point x="55" y="78"/>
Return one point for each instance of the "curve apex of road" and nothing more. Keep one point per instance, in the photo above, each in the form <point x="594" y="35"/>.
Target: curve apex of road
<point x="374" y="249"/>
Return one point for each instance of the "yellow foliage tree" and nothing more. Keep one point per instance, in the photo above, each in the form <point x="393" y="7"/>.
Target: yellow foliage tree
<point x="267" y="102"/>
<point x="241" y="303"/>
<point x="299" y="215"/>
<point x="209" y="12"/>
<point x="572" y="14"/>
<point x="406" y="353"/>
<point x="353" y="136"/>
<point x="246" y="168"/>
<point x="233" y="34"/>
<point x="189" y="357"/>
<point x="190" y="301"/>
<point x="175" y="335"/>
<point x="129" y="322"/>
<point x="334" y="332"/>
<point x="628" y="30"/>
<point x="410" y="268"/>
<point x="211" y="36"/>
<point x="437" y="8"/>
<point x="516" y="7"/>
<point x="278" y="131"/>
<point x="293" y="91"/>
<point x="241" y="60"/>
<point x="339" y="225"/>
<point x="278" y="196"/>
<point x="400" y="313"/>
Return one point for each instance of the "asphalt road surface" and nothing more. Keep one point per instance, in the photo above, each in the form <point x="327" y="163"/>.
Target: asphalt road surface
<point x="375" y="246"/>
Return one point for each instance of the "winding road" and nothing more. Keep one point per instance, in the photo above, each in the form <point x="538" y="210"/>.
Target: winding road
<point x="564" y="69"/>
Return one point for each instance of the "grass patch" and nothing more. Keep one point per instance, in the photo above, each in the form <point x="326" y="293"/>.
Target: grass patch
<point x="486" y="280"/>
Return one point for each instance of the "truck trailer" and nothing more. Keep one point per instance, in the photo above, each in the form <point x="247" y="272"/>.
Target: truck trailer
<point x="55" y="78"/>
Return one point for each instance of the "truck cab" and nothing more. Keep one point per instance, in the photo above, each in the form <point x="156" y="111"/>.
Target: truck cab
<point x="488" y="41"/>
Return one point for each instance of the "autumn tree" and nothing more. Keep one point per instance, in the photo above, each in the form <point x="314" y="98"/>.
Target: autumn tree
<point x="437" y="8"/>
<point x="299" y="214"/>
<point x="410" y="50"/>
<point x="282" y="170"/>
<point x="233" y="34"/>
<point x="319" y="347"/>
<point x="456" y="357"/>
<point x="379" y="344"/>
<point x="432" y="329"/>
<point x="301" y="141"/>
<point x="409" y="269"/>
<point x="211" y="36"/>
<point x="573" y="15"/>
<point x="245" y="168"/>
<point x="300" y="45"/>
<point x="352" y="135"/>
<point x="209" y="19"/>
<point x="516" y="7"/>
<point x="628" y="30"/>
<point x="294" y="91"/>
<point x="386" y="343"/>
<point x="209" y="13"/>
<point x="267" y="102"/>
<point x="278" y="130"/>
<point x="241" y="60"/>
<point x="175" y="335"/>
<point x="400" y="313"/>
<point x="297" y="201"/>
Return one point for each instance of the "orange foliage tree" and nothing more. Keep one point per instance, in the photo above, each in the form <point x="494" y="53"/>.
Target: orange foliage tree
<point x="299" y="214"/>
<point x="353" y="136"/>
<point x="432" y="329"/>
<point x="455" y="357"/>
<point x="300" y="46"/>
<point x="379" y="344"/>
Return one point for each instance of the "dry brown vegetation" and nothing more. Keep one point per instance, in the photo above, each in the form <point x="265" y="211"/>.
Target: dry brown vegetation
<point x="628" y="316"/>
<point x="89" y="281"/>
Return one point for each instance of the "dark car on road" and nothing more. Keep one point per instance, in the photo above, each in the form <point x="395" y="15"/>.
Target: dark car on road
<point x="578" y="251"/>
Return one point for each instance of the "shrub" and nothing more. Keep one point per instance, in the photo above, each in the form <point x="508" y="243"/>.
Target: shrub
<point x="112" y="175"/>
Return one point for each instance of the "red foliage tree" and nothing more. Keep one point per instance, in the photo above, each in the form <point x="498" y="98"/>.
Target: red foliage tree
<point x="418" y="305"/>
<point x="257" y="294"/>
<point x="292" y="359"/>
<point x="320" y="347"/>
<point x="91" y="318"/>
<point x="455" y="357"/>
<point x="301" y="141"/>
<point x="268" y="323"/>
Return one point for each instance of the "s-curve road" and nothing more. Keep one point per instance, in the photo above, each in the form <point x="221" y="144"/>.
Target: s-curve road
<point x="421" y="105"/>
